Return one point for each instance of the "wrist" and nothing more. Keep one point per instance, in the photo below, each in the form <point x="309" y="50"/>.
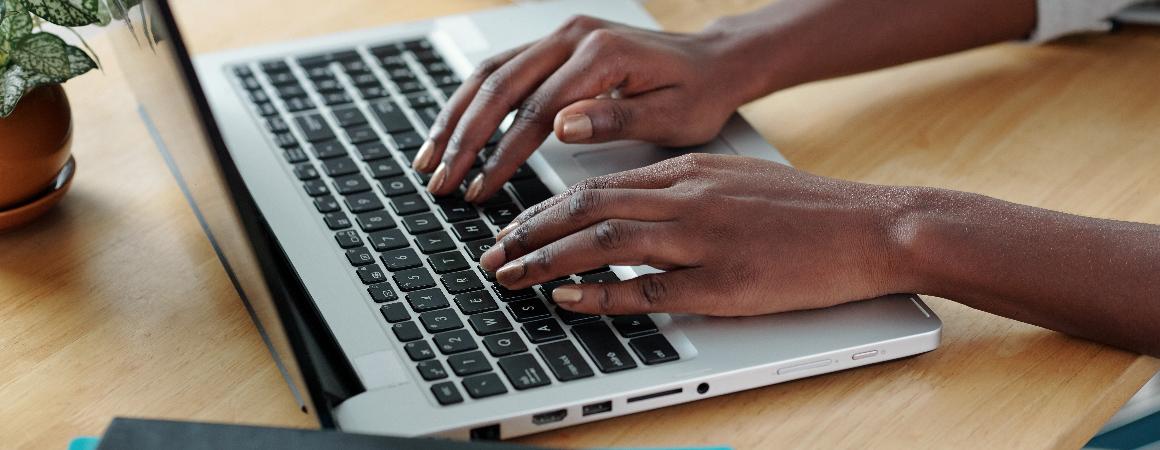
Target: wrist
<point x="908" y="219"/>
<point x="746" y="56"/>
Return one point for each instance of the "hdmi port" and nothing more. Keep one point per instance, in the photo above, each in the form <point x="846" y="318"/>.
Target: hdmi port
<point x="549" y="417"/>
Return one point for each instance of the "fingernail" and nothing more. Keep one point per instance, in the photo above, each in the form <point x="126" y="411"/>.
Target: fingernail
<point x="492" y="258"/>
<point x="474" y="188"/>
<point x="504" y="232"/>
<point x="422" y="159"/>
<point x="577" y="127"/>
<point x="510" y="273"/>
<point x="438" y="178"/>
<point x="567" y="294"/>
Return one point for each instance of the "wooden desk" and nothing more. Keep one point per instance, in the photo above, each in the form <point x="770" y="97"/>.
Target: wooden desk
<point x="113" y="305"/>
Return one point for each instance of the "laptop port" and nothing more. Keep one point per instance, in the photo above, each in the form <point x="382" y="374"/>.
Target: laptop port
<point x="485" y="433"/>
<point x="549" y="417"/>
<point x="597" y="408"/>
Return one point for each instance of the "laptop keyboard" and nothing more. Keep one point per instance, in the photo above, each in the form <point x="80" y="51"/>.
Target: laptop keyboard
<point x="348" y="123"/>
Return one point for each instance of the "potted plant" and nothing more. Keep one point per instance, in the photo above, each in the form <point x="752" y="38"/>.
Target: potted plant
<point x="35" y="120"/>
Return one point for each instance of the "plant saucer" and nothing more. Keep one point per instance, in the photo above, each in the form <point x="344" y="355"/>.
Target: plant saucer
<point x="27" y="212"/>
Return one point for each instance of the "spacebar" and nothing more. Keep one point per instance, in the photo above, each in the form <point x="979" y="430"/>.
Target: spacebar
<point x="603" y="346"/>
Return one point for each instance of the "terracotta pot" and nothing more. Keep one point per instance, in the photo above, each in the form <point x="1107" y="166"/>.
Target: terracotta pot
<point x="34" y="145"/>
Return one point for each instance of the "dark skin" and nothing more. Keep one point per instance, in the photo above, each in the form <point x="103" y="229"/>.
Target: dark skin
<point x="809" y="241"/>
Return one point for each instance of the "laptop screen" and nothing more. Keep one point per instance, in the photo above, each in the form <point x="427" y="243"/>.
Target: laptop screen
<point x="156" y="64"/>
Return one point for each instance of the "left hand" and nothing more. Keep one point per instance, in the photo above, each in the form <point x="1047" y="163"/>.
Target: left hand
<point x="738" y="236"/>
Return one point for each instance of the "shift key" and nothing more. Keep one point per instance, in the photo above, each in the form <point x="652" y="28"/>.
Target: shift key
<point x="604" y="347"/>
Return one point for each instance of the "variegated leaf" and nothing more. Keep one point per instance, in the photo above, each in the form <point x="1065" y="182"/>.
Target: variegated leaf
<point x="12" y="87"/>
<point x="15" y="25"/>
<point x="69" y="13"/>
<point x="42" y="53"/>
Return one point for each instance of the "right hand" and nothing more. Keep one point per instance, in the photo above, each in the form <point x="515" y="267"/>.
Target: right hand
<point x="589" y="81"/>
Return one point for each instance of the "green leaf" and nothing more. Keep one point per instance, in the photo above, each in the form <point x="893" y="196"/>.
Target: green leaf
<point x="68" y="13"/>
<point x="42" y="53"/>
<point x="79" y="62"/>
<point x="104" y="16"/>
<point x="12" y="87"/>
<point x="16" y="24"/>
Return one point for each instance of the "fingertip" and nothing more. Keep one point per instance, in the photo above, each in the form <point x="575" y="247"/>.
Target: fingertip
<point x="423" y="159"/>
<point x="568" y="296"/>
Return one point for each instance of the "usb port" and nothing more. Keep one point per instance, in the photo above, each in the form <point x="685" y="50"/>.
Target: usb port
<point x="597" y="408"/>
<point x="549" y="417"/>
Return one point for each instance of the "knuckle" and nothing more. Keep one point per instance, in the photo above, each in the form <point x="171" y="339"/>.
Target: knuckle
<point x="611" y="234"/>
<point x="580" y="24"/>
<point x="541" y="260"/>
<point x="599" y="40"/>
<point x="495" y="85"/>
<point x="532" y="111"/>
<point x="619" y="117"/>
<point x="520" y="238"/>
<point x="652" y="289"/>
<point x="583" y="204"/>
<point x="489" y="66"/>
<point x="604" y="298"/>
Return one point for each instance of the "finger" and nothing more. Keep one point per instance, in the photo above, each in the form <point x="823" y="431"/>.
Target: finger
<point x="611" y="242"/>
<point x="583" y="209"/>
<point x="499" y="93"/>
<point x="648" y="117"/>
<point x="679" y="291"/>
<point x="432" y="149"/>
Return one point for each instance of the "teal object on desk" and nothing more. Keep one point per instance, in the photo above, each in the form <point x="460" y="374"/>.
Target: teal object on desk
<point x="84" y="443"/>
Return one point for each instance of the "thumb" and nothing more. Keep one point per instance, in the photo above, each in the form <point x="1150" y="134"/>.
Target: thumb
<point x="676" y="291"/>
<point x="642" y="117"/>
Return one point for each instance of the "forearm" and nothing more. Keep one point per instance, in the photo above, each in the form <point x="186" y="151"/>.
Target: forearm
<point x="1092" y="278"/>
<point x="791" y="42"/>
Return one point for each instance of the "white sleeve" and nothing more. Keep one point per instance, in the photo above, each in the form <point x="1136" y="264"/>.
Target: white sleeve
<point x="1062" y="17"/>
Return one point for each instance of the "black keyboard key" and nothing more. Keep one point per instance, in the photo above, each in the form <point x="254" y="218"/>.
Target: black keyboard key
<point x="375" y="221"/>
<point x="604" y="347"/>
<point x="348" y="115"/>
<point x="417" y="45"/>
<point x="448" y="90"/>
<point x="501" y="215"/>
<point x="489" y="323"/>
<point x="370" y="151"/>
<point x="348" y="239"/>
<point x="407" y="331"/>
<point x="284" y="79"/>
<point x="336" y="98"/>
<point x="414" y="279"/>
<point x="634" y="325"/>
<point x="410" y="86"/>
<point x="371" y="274"/>
<point x="326" y="204"/>
<point x="274" y="65"/>
<point x="364" y="79"/>
<point x="524" y="372"/>
<point x="409" y="204"/>
<point x="295" y="155"/>
<point x="530" y="192"/>
<point x="396" y="186"/>
<point x="462" y="281"/>
<point x="297" y="104"/>
<point x="258" y="96"/>
<point x="457" y="210"/>
<point x="319" y="73"/>
<point x="504" y="344"/>
<point x="401" y="259"/>
<point x="445" y="79"/>
<point x="595" y="271"/>
<point x="435" y="242"/>
<point x="305" y="171"/>
<point x="394" y="312"/>
<point x="351" y="184"/>
<point x="314" y="128"/>
<point x="372" y="91"/>
<point x="475" y="302"/>
<point x="285" y="140"/>
<point x="387" y="240"/>
<point x="525" y="310"/>
<point x="544" y="330"/>
<point x="489" y="276"/>
<point x="382" y="293"/>
<point x="384" y="168"/>
<point x="548" y="287"/>
<point x="654" y="349"/>
<point x="603" y="277"/>
<point x="360" y="134"/>
<point x="364" y="202"/>
<point x="399" y="74"/>
<point x="446" y="393"/>
<point x="250" y="83"/>
<point x="327" y="85"/>
<point x="407" y="140"/>
<point x="475" y="249"/>
<point x="329" y="149"/>
<point x="390" y="116"/>
<point x="337" y="220"/>
<point x="315" y="188"/>
<point x="392" y="61"/>
<point x="447" y="262"/>
<point x="574" y="318"/>
<point x="243" y="71"/>
<point x="455" y="341"/>
<point x="417" y="350"/>
<point x="277" y="125"/>
<point x="428" y="115"/>
<point x="564" y="361"/>
<point x="422" y="223"/>
<point x="484" y="385"/>
<point x="508" y="295"/>
<point x="432" y="370"/>
<point x="471" y="231"/>
<point x="470" y="363"/>
<point x="427" y="300"/>
<point x="359" y="256"/>
<point x="338" y="167"/>
<point x="421" y="100"/>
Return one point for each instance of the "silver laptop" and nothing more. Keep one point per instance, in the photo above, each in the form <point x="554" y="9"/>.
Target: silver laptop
<point x="295" y="157"/>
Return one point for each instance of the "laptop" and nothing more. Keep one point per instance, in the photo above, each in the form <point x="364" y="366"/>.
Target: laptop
<point x="295" y="158"/>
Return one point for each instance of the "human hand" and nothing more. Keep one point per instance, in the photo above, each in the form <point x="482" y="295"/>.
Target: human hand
<point x="589" y="81"/>
<point x="738" y="236"/>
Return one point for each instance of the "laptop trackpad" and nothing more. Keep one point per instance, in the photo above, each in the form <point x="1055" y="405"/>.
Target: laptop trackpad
<point x="633" y="155"/>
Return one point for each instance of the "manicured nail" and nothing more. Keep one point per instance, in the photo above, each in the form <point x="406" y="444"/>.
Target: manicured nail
<point x="493" y="257"/>
<point x="567" y="294"/>
<point x="438" y="178"/>
<point x="504" y="232"/>
<point x="423" y="158"/>
<point x="474" y="189"/>
<point x="510" y="273"/>
<point x="577" y="127"/>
